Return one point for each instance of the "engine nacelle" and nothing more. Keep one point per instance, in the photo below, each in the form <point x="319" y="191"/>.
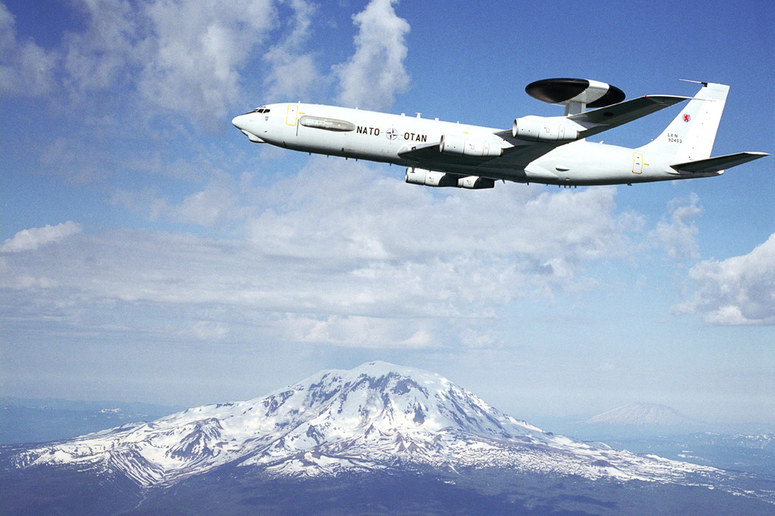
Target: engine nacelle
<point x="549" y="129"/>
<point x="475" y="183"/>
<point x="462" y="146"/>
<point x="421" y="176"/>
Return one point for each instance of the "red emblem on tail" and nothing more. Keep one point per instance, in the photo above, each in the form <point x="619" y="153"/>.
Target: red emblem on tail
<point x="687" y="118"/>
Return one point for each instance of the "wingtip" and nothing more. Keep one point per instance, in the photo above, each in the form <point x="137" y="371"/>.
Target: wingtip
<point x="667" y="100"/>
<point x="694" y="82"/>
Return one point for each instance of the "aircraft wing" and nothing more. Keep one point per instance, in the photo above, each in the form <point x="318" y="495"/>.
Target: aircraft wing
<point x="608" y="117"/>
<point x="515" y="158"/>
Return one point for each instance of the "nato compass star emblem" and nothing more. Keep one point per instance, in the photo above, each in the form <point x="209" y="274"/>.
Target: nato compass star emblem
<point x="391" y="133"/>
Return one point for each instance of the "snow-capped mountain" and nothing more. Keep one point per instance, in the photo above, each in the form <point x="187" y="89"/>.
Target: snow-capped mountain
<point x="642" y="414"/>
<point x="375" y="417"/>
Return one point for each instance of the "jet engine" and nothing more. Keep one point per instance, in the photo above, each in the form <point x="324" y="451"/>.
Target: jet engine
<point x="549" y="129"/>
<point x="475" y="183"/>
<point x="421" y="176"/>
<point x="458" y="144"/>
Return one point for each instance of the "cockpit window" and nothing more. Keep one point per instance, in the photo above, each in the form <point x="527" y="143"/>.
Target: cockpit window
<point x="262" y="109"/>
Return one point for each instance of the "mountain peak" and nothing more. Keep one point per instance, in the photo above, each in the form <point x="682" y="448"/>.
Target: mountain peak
<point x="374" y="417"/>
<point x="378" y="369"/>
<point x="400" y="399"/>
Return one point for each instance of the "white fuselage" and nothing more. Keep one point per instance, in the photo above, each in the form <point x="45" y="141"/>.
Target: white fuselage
<point x="381" y="137"/>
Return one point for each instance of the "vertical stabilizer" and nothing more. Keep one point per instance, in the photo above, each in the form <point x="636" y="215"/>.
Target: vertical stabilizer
<point x="690" y="136"/>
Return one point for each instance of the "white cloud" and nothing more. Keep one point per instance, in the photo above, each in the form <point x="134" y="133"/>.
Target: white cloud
<point x="292" y="73"/>
<point x="736" y="291"/>
<point x="375" y="73"/>
<point x="107" y="52"/>
<point x="25" y="68"/>
<point x="180" y="56"/>
<point x="214" y="205"/>
<point x="357" y="331"/>
<point x="291" y="76"/>
<point x="209" y="207"/>
<point x="379" y="218"/>
<point x="342" y="254"/>
<point x="207" y="331"/>
<point x="33" y="238"/>
<point x="189" y="58"/>
<point x="678" y="235"/>
<point x="196" y="49"/>
<point x="146" y="202"/>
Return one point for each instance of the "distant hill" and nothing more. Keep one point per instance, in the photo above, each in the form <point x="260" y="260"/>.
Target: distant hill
<point x="643" y="414"/>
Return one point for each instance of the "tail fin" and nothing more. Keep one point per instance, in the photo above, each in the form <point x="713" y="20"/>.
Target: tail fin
<point x="690" y="136"/>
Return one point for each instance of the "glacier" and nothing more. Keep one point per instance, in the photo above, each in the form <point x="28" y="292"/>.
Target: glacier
<point x="375" y="417"/>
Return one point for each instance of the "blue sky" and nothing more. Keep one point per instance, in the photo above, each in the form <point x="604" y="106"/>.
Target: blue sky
<point x="149" y="252"/>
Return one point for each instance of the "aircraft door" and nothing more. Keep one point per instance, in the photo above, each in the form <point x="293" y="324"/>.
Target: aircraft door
<point x="637" y="163"/>
<point x="293" y="112"/>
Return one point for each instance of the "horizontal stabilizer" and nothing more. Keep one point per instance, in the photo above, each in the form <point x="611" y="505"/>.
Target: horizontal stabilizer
<point x="718" y="163"/>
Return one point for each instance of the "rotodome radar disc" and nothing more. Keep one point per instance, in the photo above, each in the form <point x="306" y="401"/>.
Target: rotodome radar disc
<point x="562" y="91"/>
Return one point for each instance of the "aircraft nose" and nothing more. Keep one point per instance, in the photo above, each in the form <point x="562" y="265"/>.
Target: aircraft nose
<point x="242" y="122"/>
<point x="238" y="122"/>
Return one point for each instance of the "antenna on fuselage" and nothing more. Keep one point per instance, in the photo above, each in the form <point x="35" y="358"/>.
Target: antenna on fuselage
<point x="575" y="94"/>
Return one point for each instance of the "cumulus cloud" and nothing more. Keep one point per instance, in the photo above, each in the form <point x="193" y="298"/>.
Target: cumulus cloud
<point x="736" y="291"/>
<point x="33" y="238"/>
<point x="345" y="255"/>
<point x="677" y="234"/>
<point x="213" y="206"/>
<point x="25" y="68"/>
<point x="358" y="331"/>
<point x="182" y="56"/>
<point x="207" y="331"/>
<point x="189" y="58"/>
<point x="196" y="49"/>
<point x="107" y="52"/>
<point x="292" y="72"/>
<point x="208" y="207"/>
<point x="375" y="73"/>
<point x="380" y="218"/>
